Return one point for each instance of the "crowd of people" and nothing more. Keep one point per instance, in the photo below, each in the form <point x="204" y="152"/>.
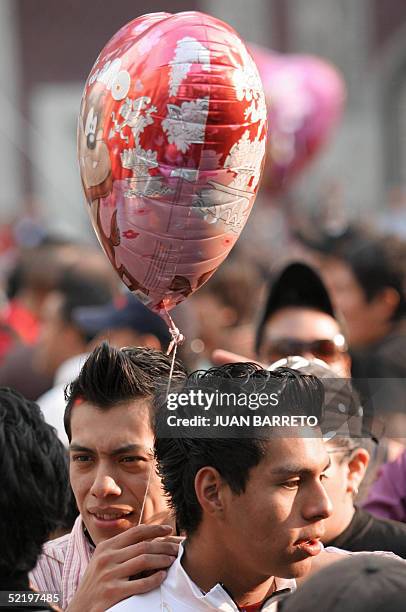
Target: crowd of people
<point x="101" y="507"/>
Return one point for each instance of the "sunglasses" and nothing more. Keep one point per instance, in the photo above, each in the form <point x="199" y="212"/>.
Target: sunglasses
<point x="346" y="451"/>
<point x="327" y="350"/>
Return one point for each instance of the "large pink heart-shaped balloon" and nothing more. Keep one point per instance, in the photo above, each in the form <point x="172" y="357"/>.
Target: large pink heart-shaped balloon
<point x="172" y="137"/>
<point x="305" y="97"/>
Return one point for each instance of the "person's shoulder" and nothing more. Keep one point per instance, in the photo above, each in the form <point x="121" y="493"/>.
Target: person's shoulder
<point x="147" y="602"/>
<point x="56" y="549"/>
<point x="47" y="574"/>
<point x="335" y="554"/>
<point x="53" y="552"/>
<point x="331" y="554"/>
<point x="391" y="349"/>
<point x="388" y="526"/>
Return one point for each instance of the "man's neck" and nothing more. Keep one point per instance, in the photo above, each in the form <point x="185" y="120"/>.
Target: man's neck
<point x="348" y="515"/>
<point x="208" y="564"/>
<point x="346" y="518"/>
<point x="377" y="332"/>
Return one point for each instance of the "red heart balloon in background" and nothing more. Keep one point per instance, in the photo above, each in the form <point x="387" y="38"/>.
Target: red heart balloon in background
<point x="305" y="97"/>
<point x="171" y="143"/>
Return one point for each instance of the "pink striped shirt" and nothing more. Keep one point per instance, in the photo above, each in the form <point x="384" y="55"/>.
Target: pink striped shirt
<point x="62" y="564"/>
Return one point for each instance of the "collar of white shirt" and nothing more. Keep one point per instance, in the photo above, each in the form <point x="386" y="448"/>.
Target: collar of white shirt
<point x="178" y="593"/>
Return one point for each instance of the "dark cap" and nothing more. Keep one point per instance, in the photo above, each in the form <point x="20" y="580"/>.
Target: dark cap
<point x="364" y="582"/>
<point x="343" y="414"/>
<point x="296" y="285"/>
<point x="126" y="312"/>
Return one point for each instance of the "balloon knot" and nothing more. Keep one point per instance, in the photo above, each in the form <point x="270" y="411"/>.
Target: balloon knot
<point x="177" y="337"/>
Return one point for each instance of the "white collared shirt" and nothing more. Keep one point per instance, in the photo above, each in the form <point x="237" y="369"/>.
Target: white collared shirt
<point x="179" y="594"/>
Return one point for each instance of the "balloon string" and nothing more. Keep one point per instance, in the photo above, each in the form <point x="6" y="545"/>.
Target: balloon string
<point x="177" y="339"/>
<point x="177" y="336"/>
<point x="171" y="370"/>
<point x="145" y="496"/>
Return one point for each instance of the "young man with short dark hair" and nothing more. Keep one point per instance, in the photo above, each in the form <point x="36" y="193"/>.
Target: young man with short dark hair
<point x="299" y="319"/>
<point x="349" y="445"/>
<point x="252" y="506"/>
<point x="112" y="473"/>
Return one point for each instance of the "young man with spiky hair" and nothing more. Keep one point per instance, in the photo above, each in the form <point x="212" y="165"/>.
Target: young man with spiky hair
<point x="252" y="506"/>
<point x="123" y="512"/>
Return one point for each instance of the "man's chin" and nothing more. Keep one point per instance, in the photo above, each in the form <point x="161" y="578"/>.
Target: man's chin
<point x="298" y="569"/>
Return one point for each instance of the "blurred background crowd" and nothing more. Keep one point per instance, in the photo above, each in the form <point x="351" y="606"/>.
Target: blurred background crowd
<point x="330" y="190"/>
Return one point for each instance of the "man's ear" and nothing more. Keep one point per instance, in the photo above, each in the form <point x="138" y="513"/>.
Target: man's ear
<point x="209" y="488"/>
<point x="386" y="301"/>
<point x="357" y="466"/>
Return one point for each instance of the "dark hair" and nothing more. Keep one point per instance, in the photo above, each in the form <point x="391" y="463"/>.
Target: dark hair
<point x="231" y="284"/>
<point x="37" y="269"/>
<point x="180" y="458"/>
<point x="376" y="260"/>
<point x="79" y="290"/>
<point x="111" y="376"/>
<point x="376" y="264"/>
<point x="34" y="483"/>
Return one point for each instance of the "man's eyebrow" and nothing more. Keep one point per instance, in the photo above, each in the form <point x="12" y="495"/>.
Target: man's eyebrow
<point x="130" y="448"/>
<point x="79" y="448"/>
<point x="292" y="470"/>
<point x="127" y="448"/>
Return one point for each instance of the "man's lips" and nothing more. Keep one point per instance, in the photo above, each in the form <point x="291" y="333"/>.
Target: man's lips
<point x="109" y="515"/>
<point x="310" y="546"/>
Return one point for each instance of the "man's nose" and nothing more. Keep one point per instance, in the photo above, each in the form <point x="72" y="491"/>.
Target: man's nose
<point x="318" y="504"/>
<point x="105" y="485"/>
